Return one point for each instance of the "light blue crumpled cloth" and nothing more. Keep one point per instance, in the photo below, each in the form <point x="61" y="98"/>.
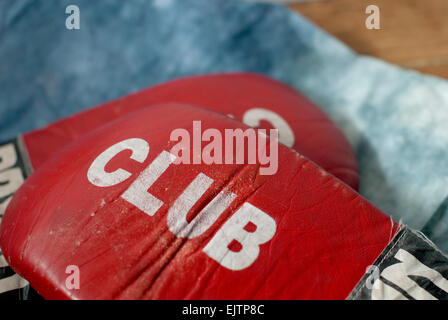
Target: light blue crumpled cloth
<point x="395" y="119"/>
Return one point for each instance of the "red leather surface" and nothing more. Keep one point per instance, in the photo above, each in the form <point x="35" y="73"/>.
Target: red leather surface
<point x="316" y="136"/>
<point x="325" y="237"/>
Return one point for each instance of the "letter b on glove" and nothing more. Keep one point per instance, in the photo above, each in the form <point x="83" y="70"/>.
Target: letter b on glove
<point x="235" y="229"/>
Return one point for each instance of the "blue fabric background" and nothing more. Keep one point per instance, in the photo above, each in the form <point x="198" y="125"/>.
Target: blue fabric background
<point x="395" y="119"/>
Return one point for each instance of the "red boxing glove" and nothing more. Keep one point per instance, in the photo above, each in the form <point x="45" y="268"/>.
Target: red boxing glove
<point x="254" y="99"/>
<point x="118" y="210"/>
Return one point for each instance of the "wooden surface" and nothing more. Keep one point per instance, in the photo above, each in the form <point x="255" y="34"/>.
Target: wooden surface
<point x="414" y="33"/>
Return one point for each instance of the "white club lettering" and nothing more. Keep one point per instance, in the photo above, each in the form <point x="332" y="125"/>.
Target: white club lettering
<point x="233" y="229"/>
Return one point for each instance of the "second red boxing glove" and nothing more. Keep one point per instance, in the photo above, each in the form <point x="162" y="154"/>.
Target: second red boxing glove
<point x="253" y="99"/>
